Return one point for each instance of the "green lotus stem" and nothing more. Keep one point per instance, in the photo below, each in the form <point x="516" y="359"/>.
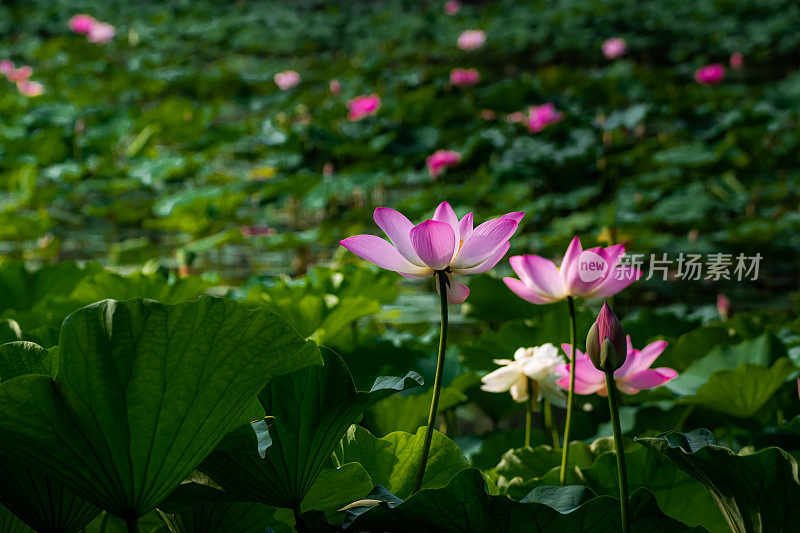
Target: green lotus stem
<point x="530" y="408"/>
<point x="547" y="410"/>
<point x="571" y="394"/>
<point x="614" y="405"/>
<point x="437" y="383"/>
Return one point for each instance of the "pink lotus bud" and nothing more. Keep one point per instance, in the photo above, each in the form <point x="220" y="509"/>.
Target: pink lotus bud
<point x="335" y="86"/>
<point x="541" y="116"/>
<point x="723" y="306"/>
<point x="452" y="7"/>
<point x="606" y="345"/>
<point x="471" y="39"/>
<point x="101" y="33"/>
<point x="441" y="160"/>
<point x="463" y="77"/>
<point x="614" y="47"/>
<point x="287" y="79"/>
<point x="363" y="106"/>
<point x="6" y="67"/>
<point x="81" y="23"/>
<point x="737" y="60"/>
<point x="710" y="74"/>
<point x="30" y="88"/>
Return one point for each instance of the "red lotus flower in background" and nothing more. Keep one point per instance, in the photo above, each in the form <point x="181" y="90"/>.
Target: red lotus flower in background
<point x="443" y="243"/>
<point x="21" y="74"/>
<point x="363" y="106"/>
<point x="101" y="33"/>
<point x="471" y="39"/>
<point x="30" y="88"/>
<point x="81" y="23"/>
<point x="286" y="80"/>
<point x="464" y="77"/>
<point x="335" y="87"/>
<point x="737" y="60"/>
<point x="710" y="74"/>
<point x="441" y="160"/>
<point x="614" y="47"/>
<point x="6" y="67"/>
<point x="451" y="7"/>
<point x="539" y="117"/>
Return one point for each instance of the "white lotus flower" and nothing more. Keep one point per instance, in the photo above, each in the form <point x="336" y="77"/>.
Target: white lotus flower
<point x="537" y="364"/>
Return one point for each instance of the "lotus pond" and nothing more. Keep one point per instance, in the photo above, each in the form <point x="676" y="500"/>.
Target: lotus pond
<point x="389" y="265"/>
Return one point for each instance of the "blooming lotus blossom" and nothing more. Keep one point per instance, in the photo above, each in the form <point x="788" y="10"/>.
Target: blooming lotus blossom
<point x="6" y="67"/>
<point x="633" y="376"/>
<point x="471" y="39"/>
<point x="81" y="23"/>
<point x="594" y="273"/>
<point x="335" y="87"/>
<point x="614" y="47"/>
<point x="541" y="116"/>
<point x="101" y="33"/>
<point x="451" y="7"/>
<point x="20" y="74"/>
<point x="363" y="106"/>
<point x="287" y="79"/>
<point x="710" y="74"/>
<point x="464" y="77"/>
<point x="537" y="364"/>
<point x="30" y="88"/>
<point x="443" y="243"/>
<point x="441" y="160"/>
<point x="737" y="60"/>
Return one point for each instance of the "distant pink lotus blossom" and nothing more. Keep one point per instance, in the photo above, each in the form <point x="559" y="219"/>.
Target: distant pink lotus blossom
<point x="614" y="47"/>
<point x="363" y="106"/>
<point x="471" y="39"/>
<point x="256" y="231"/>
<point x="287" y="79"/>
<point x="81" y="23"/>
<point x="20" y="74"/>
<point x="451" y="7"/>
<point x="710" y="74"/>
<point x="737" y="60"/>
<point x="440" y="160"/>
<point x="335" y="86"/>
<point x="487" y="114"/>
<point x="542" y="116"/>
<point x="464" y="77"/>
<point x="443" y="243"/>
<point x="100" y="33"/>
<point x="586" y="274"/>
<point x="328" y="169"/>
<point x="6" y="67"/>
<point x="30" y="88"/>
<point x="633" y="376"/>
<point x="516" y="116"/>
<point x="723" y="306"/>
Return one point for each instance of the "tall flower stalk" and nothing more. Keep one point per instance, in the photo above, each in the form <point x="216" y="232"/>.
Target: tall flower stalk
<point x="441" y="278"/>
<point x="441" y="247"/>
<point x="573" y="327"/>
<point x="622" y="470"/>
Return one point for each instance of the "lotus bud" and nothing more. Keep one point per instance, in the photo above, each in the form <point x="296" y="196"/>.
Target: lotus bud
<point x="605" y="344"/>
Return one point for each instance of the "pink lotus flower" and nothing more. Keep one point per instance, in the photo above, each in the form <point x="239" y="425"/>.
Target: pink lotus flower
<point x="633" y="376"/>
<point x="81" y="23"/>
<point x="710" y="74"/>
<point x="723" y="306"/>
<point x="101" y="33"/>
<point x="737" y="60"/>
<point x="516" y="116"/>
<point x="451" y="7"/>
<point x="614" y="47"/>
<point x="594" y="273"/>
<point x="440" y="160"/>
<point x="487" y="114"/>
<point x="30" y="88"/>
<point x="287" y="79"/>
<point x="542" y="116"/>
<point x="363" y="106"/>
<point x="463" y="77"/>
<point x="335" y="86"/>
<point x="443" y="243"/>
<point x="20" y="74"/>
<point x="471" y="39"/>
<point x="328" y="169"/>
<point x="6" y="67"/>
